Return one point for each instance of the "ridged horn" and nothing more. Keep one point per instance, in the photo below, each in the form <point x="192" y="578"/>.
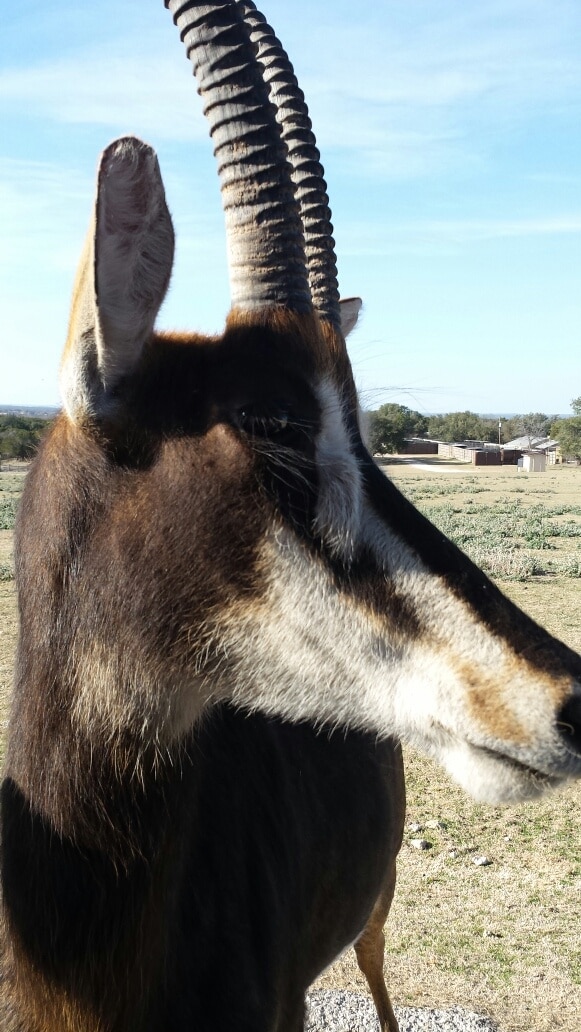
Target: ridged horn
<point x="263" y="225"/>
<point x="305" y="159"/>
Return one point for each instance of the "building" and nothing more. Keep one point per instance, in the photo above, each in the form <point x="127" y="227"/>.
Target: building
<point x="530" y="445"/>
<point x="533" y="462"/>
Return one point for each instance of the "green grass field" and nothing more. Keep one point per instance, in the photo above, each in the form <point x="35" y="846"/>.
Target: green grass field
<point x="502" y="939"/>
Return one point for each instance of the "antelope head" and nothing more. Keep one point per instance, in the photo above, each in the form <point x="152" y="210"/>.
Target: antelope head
<point x="204" y="523"/>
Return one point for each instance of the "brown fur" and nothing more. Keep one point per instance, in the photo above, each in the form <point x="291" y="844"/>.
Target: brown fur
<point x="370" y="948"/>
<point x="98" y="651"/>
<point x="170" y="862"/>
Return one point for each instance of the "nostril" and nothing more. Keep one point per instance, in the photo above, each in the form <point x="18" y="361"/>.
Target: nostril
<point x="569" y="723"/>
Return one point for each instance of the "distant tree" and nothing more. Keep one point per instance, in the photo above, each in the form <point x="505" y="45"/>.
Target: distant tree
<point x="510" y="429"/>
<point x="18" y="444"/>
<point x="568" y="433"/>
<point x="12" y="421"/>
<point x="462" y="426"/>
<point x="20" y="436"/>
<point x="391" y="424"/>
<point x="576" y="405"/>
<point x="534" y="424"/>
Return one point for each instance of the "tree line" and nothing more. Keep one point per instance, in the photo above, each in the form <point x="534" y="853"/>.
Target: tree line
<point x="388" y="429"/>
<point x="391" y="425"/>
<point x="20" y="435"/>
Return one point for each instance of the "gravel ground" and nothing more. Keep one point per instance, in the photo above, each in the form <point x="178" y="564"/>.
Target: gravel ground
<point x="339" y="1011"/>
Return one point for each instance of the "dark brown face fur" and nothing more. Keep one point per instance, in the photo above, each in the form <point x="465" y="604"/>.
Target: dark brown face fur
<point x="138" y="530"/>
<point x="135" y="530"/>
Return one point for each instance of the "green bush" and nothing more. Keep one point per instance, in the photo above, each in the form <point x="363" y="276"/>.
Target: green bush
<point x="20" y="435"/>
<point x="8" y="509"/>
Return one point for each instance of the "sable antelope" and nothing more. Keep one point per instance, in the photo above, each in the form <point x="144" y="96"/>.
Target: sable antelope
<point x="213" y="577"/>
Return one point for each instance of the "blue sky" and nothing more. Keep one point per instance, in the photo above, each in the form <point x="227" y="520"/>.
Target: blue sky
<point x="451" y="138"/>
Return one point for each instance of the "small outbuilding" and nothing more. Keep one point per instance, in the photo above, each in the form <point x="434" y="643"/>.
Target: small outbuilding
<point x="534" y="462"/>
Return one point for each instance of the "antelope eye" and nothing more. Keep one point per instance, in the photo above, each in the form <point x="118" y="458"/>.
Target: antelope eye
<point x="261" y="422"/>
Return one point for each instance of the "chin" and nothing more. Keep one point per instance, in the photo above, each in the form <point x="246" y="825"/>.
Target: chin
<point x="493" y="778"/>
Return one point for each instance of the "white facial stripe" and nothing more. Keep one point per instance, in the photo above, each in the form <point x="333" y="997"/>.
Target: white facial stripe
<point x="307" y="651"/>
<point x="461" y="646"/>
<point x="303" y="651"/>
<point x="457" y="634"/>
<point x="340" y="491"/>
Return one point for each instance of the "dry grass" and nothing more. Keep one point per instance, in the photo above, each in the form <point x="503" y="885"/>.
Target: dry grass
<point x="10" y="488"/>
<point x="502" y="939"/>
<point x="505" y="939"/>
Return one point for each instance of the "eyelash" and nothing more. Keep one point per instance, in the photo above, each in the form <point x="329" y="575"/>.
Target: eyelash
<point x="262" y="424"/>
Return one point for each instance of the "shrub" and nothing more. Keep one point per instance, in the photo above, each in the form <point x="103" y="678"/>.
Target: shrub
<point x="8" y="508"/>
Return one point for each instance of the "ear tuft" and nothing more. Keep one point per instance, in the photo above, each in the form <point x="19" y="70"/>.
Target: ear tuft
<point x="122" y="279"/>
<point x="350" y="308"/>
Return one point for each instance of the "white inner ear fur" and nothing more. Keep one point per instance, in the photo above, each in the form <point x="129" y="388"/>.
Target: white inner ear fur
<point x="338" y="516"/>
<point x="350" y="308"/>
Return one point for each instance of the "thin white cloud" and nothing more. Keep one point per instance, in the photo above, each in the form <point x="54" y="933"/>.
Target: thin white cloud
<point x="468" y="230"/>
<point x="446" y="235"/>
<point x="40" y="209"/>
<point x="45" y="209"/>
<point x="437" y="85"/>
<point x="477" y="99"/>
<point x="108" y="90"/>
<point x="388" y="84"/>
<point x="444" y="55"/>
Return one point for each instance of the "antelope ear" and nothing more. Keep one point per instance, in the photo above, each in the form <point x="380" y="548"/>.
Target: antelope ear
<point x="350" y="308"/>
<point x="122" y="278"/>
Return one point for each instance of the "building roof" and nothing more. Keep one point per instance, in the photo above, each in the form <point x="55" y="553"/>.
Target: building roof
<point x="530" y="443"/>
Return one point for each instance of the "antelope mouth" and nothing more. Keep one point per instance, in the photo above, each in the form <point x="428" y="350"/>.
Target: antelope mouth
<point x="541" y="778"/>
<point x="496" y="777"/>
